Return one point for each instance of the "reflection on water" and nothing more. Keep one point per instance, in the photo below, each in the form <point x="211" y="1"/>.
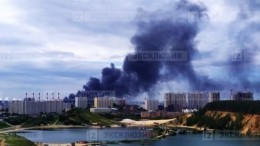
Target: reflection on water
<point x="73" y="135"/>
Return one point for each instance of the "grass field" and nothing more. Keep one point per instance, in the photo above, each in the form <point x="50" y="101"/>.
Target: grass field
<point x="81" y="116"/>
<point x="75" y="116"/>
<point x="15" y="140"/>
<point x="3" y="125"/>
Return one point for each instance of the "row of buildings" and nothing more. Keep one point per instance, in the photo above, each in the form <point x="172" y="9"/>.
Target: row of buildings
<point x="178" y="101"/>
<point x="242" y="96"/>
<point x="29" y="106"/>
<point x="192" y="100"/>
<point x="173" y="101"/>
<point x="99" y="102"/>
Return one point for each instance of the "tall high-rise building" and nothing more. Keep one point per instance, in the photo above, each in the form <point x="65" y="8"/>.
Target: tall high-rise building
<point x="151" y="104"/>
<point x="175" y="101"/>
<point x="81" y="102"/>
<point x="192" y="100"/>
<point x="243" y="96"/>
<point x="214" y="96"/>
<point x="106" y="102"/>
<point x="197" y="100"/>
<point x="103" y="102"/>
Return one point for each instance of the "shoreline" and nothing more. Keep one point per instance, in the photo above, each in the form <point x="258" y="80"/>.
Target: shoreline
<point x="163" y="135"/>
<point x="68" y="126"/>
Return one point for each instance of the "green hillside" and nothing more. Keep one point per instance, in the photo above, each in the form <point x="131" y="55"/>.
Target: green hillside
<point x="15" y="140"/>
<point x="79" y="116"/>
<point x="245" y="107"/>
<point x="3" y="125"/>
<point x="75" y="116"/>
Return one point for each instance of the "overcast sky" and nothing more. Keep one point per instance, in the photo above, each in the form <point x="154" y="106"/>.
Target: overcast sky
<point x="56" y="45"/>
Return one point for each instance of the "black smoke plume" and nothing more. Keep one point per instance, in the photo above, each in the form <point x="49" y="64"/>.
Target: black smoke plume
<point x="170" y="30"/>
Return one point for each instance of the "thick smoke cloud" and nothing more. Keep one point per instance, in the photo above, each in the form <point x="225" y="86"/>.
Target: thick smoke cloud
<point x="167" y="35"/>
<point x="246" y="29"/>
<point x="174" y="30"/>
<point x="164" y="31"/>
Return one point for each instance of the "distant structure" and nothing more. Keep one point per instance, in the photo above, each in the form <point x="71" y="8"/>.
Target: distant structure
<point x="102" y="110"/>
<point x="174" y="101"/>
<point x="214" y="96"/>
<point x="3" y="104"/>
<point x="108" y="102"/>
<point x="29" y="106"/>
<point x="151" y="104"/>
<point x="243" y="96"/>
<point x="81" y="102"/>
<point x="197" y="100"/>
<point x="103" y="102"/>
<point x="119" y="101"/>
<point x="231" y="94"/>
<point x="191" y="100"/>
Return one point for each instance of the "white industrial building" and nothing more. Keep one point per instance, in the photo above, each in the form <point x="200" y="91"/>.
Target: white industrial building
<point x="191" y="100"/>
<point x="29" y="106"/>
<point x="81" y="102"/>
<point x="102" y="110"/>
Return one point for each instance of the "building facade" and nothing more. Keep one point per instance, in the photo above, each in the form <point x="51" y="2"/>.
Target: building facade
<point x="102" y="110"/>
<point x="214" y="96"/>
<point x="243" y="96"/>
<point x="191" y="100"/>
<point x="119" y="101"/>
<point x="81" y="102"/>
<point x="151" y="104"/>
<point x="31" y="107"/>
<point x="107" y="102"/>
<point x="175" y="101"/>
<point x="197" y="100"/>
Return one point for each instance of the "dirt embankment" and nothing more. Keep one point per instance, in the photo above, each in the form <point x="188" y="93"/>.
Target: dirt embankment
<point x="249" y="121"/>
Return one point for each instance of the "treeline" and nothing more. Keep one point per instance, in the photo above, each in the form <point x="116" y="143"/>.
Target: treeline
<point x="245" y="107"/>
<point x="28" y="121"/>
<point x="79" y="116"/>
<point x="216" y="121"/>
<point x="75" y="116"/>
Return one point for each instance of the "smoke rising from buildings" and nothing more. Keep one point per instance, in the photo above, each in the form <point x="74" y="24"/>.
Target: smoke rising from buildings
<point x="171" y="30"/>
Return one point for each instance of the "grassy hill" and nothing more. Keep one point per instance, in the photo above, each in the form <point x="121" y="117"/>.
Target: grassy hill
<point x="3" y="125"/>
<point x="75" y="116"/>
<point x="15" y="140"/>
<point x="79" y="116"/>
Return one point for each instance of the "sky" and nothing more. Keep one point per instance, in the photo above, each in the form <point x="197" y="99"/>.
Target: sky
<point x="55" y="46"/>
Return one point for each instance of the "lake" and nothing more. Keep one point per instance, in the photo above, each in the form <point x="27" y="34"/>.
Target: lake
<point x="70" y="135"/>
